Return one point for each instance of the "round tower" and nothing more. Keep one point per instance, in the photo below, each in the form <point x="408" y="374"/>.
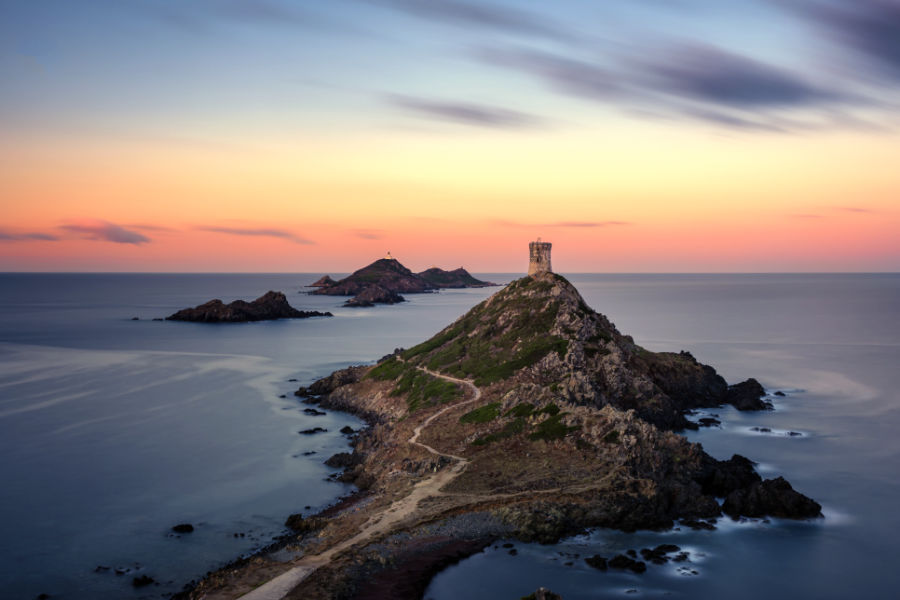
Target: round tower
<point x="539" y="257"/>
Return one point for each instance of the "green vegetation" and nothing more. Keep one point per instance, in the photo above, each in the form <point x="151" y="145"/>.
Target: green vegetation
<point x="421" y="389"/>
<point x="512" y="428"/>
<point x="552" y="429"/>
<point x="551" y="409"/>
<point x="424" y="390"/>
<point x="389" y="369"/>
<point x="482" y="414"/>
<point x="527" y="313"/>
<point x="520" y="410"/>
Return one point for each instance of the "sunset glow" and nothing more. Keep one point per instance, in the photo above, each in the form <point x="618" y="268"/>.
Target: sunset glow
<point x="306" y="136"/>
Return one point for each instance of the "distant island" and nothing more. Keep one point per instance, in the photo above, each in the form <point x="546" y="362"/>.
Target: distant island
<point x="529" y="417"/>
<point x="269" y="306"/>
<point x="383" y="282"/>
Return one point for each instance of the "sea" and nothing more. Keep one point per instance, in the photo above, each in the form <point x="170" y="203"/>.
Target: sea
<point x="115" y="427"/>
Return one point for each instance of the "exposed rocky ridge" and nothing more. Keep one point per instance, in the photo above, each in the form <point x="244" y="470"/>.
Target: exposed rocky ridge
<point x="374" y="294"/>
<point x="457" y="278"/>
<point x="572" y="429"/>
<point x="269" y="306"/>
<point x="323" y="281"/>
<point x="384" y="280"/>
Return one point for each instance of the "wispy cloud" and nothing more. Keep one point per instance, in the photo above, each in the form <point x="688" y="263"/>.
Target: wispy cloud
<point x="104" y="231"/>
<point x="480" y="15"/>
<point x="478" y="115"/>
<point x="680" y="80"/>
<point x="855" y="209"/>
<point x="369" y="234"/>
<point x="7" y="235"/>
<point x="260" y="232"/>
<point x="807" y="216"/>
<point x="869" y="28"/>
<point x="562" y="224"/>
<point x="151" y="227"/>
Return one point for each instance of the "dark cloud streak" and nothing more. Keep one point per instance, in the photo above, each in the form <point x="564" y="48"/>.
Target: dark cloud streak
<point x="10" y="236"/>
<point x="104" y="231"/>
<point x="261" y="232"/>
<point x="482" y="15"/>
<point x="465" y="113"/>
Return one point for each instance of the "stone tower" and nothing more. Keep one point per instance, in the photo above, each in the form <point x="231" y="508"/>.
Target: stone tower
<point x="539" y="257"/>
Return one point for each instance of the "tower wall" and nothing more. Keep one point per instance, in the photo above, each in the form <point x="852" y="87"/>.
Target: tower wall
<point x="539" y="257"/>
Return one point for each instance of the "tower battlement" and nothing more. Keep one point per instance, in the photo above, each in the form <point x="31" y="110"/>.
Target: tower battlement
<point x="539" y="257"/>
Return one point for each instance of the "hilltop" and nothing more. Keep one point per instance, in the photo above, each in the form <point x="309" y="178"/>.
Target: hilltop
<point x="531" y="416"/>
<point x="384" y="280"/>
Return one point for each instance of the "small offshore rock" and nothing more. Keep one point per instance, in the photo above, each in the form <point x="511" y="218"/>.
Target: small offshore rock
<point x="183" y="528"/>
<point x="620" y="561"/>
<point x="747" y="395"/>
<point x="709" y="422"/>
<point x="542" y="593"/>
<point x="772" y="497"/>
<point x="142" y="581"/>
<point x="596" y="561"/>
<point x="347" y="430"/>
<point x="313" y="411"/>
<point x="780" y="394"/>
<point x="312" y="431"/>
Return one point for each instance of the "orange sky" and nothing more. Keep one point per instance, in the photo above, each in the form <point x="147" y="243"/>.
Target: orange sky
<point x="100" y="171"/>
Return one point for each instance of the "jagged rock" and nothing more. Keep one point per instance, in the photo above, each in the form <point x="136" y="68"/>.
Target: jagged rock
<point x="457" y="278"/>
<point x="314" y="412"/>
<point x="542" y="593"/>
<point x="297" y="523"/>
<point x="339" y="378"/>
<point x="596" y="561"/>
<point x="385" y="272"/>
<point x="721" y="477"/>
<point x="312" y="431"/>
<point x="270" y="306"/>
<point x="343" y="460"/>
<point x="620" y="561"/>
<point x="747" y="395"/>
<point x="142" y="581"/>
<point x="347" y="430"/>
<point x="772" y="497"/>
<point x="322" y="282"/>
<point x="374" y="294"/>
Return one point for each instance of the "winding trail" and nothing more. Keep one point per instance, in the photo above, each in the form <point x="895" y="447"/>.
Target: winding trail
<point x="380" y="523"/>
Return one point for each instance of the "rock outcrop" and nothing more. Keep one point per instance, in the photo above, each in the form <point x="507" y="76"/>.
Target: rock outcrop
<point x="324" y="281"/>
<point x="530" y="417"/>
<point x="374" y="294"/>
<point x="384" y="280"/>
<point x="457" y="278"/>
<point x="270" y="306"/>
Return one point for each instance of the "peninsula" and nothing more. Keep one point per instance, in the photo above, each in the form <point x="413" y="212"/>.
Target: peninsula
<point x="269" y="306"/>
<point x="530" y="417"/>
<point x="384" y="280"/>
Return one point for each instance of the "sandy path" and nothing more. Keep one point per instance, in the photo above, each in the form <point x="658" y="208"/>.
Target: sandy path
<point x="381" y="523"/>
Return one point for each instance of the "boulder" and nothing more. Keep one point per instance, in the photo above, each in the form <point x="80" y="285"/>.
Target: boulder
<point x="747" y="395"/>
<point x="772" y="497"/>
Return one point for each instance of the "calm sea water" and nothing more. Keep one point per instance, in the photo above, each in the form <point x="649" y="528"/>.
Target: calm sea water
<point x="113" y="430"/>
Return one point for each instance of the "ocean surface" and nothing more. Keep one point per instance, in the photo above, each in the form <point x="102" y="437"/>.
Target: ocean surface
<point x="113" y="430"/>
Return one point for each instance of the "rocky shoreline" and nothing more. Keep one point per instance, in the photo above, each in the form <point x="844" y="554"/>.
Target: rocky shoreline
<point x="468" y="431"/>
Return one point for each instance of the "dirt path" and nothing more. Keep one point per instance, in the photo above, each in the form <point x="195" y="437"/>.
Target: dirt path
<point x="383" y="522"/>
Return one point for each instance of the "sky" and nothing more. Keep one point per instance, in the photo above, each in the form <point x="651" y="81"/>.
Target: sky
<point x="316" y="135"/>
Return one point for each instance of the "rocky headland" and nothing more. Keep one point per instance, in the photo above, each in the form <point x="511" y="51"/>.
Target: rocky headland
<point x="530" y="417"/>
<point x="269" y="306"/>
<point x="384" y="280"/>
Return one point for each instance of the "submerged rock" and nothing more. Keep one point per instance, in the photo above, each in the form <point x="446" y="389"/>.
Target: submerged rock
<point x="269" y="306"/>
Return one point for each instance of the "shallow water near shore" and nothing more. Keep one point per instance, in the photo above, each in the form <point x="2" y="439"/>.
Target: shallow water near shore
<point x="113" y="430"/>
